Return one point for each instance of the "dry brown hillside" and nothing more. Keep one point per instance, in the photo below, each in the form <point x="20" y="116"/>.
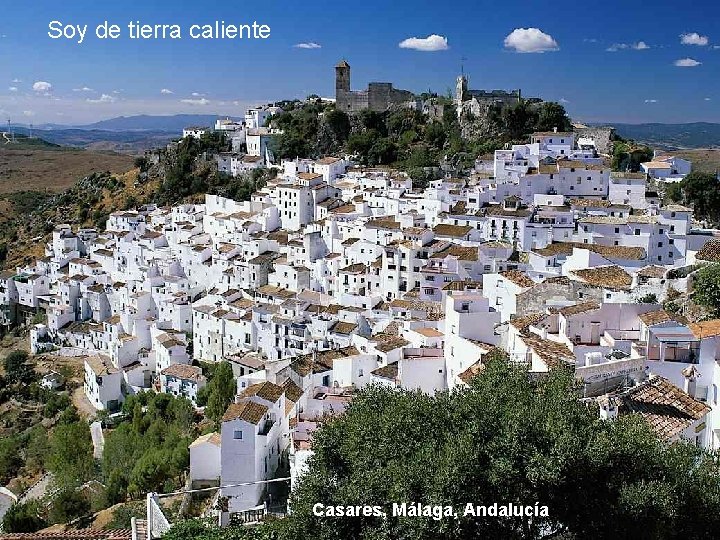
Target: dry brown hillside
<point x="40" y="167"/>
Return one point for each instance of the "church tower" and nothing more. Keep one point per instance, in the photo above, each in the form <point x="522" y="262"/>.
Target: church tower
<point x="461" y="89"/>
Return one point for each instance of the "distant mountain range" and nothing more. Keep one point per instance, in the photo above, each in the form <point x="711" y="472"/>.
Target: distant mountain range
<point x="133" y="134"/>
<point x="145" y="122"/>
<point x="672" y="136"/>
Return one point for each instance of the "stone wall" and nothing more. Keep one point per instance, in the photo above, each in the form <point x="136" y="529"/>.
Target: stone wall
<point x="555" y="291"/>
<point x="602" y="135"/>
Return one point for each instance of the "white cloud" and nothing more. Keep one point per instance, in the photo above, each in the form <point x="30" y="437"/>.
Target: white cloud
<point x="28" y="113"/>
<point x="564" y="101"/>
<point x="201" y="101"/>
<point x="42" y="86"/>
<point x="166" y="91"/>
<point x="638" y="46"/>
<point x="13" y="88"/>
<point x="651" y="101"/>
<point x="117" y="91"/>
<point x="104" y="98"/>
<point x="590" y="40"/>
<point x="615" y="47"/>
<point x="308" y="45"/>
<point x="431" y="43"/>
<point x="83" y="89"/>
<point x="197" y="94"/>
<point x="687" y="62"/>
<point x="530" y="40"/>
<point x="16" y="81"/>
<point x="693" y="38"/>
<point x="708" y="99"/>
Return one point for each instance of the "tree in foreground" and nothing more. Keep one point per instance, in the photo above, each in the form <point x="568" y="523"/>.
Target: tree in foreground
<point x="221" y="391"/>
<point x="706" y="288"/>
<point x="502" y="440"/>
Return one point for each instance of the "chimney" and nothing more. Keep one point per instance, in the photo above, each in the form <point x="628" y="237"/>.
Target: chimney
<point x="608" y="408"/>
<point x="691" y="374"/>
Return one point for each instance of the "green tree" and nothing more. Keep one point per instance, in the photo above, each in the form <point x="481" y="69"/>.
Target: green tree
<point x="23" y="518"/>
<point x="17" y="369"/>
<point x="552" y="115"/>
<point x="518" y="120"/>
<point x="627" y="155"/>
<point x="706" y="288"/>
<point x="222" y="390"/>
<point x="702" y="192"/>
<point x="71" y="454"/>
<point x="10" y="460"/>
<point x="504" y="439"/>
<point x="66" y="505"/>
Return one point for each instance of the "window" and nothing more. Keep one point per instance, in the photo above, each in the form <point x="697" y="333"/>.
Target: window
<point x="637" y="232"/>
<point x="617" y="230"/>
<point x="237" y="434"/>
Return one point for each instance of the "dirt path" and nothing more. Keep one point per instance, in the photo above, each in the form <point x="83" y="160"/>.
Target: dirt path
<point x="82" y="404"/>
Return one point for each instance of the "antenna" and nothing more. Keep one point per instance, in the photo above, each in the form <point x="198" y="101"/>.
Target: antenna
<point x="462" y="65"/>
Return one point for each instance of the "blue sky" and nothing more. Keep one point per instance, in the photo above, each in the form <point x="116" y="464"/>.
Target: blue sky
<point x="614" y="62"/>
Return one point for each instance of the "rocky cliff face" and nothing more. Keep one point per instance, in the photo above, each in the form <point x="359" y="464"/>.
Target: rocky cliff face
<point x="480" y="120"/>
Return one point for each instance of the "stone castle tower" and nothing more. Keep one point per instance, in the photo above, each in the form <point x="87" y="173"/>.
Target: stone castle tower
<point x="342" y="78"/>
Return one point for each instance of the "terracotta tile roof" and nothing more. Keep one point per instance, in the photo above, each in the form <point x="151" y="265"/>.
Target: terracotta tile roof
<point x="357" y="268"/>
<point x="655" y="317"/>
<point x="706" y="328"/>
<point x="709" y="252"/>
<point x="247" y="410"/>
<point x="323" y="361"/>
<point x="522" y="323"/>
<point x="341" y="327"/>
<point x="212" y="438"/>
<point x="79" y="534"/>
<point x="518" y="278"/>
<point x="652" y="271"/>
<point x="429" y="332"/>
<point x="676" y="208"/>
<point x="387" y="372"/>
<point x="292" y="391"/>
<point x="266" y="390"/>
<point x="579" y="308"/>
<point x="663" y="405"/>
<point x="264" y="258"/>
<point x="385" y="223"/>
<point x="604" y="220"/>
<point x="498" y="210"/>
<point x="462" y="286"/>
<point x="591" y="203"/>
<point x="608" y="277"/>
<point x="388" y="342"/>
<point x="611" y="252"/>
<point x="183" y="371"/>
<point x="475" y="369"/>
<point x="554" y="354"/>
<point x="464" y="253"/>
<point x="454" y="231"/>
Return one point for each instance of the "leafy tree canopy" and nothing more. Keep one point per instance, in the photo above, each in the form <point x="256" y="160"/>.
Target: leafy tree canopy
<point x="503" y="439"/>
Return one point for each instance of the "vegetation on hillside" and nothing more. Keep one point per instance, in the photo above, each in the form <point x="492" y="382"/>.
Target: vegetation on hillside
<point x="628" y="155"/>
<point x="699" y="190"/>
<point x="405" y="138"/>
<point x="503" y="440"/>
<point x="706" y="289"/>
<point x="41" y="432"/>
